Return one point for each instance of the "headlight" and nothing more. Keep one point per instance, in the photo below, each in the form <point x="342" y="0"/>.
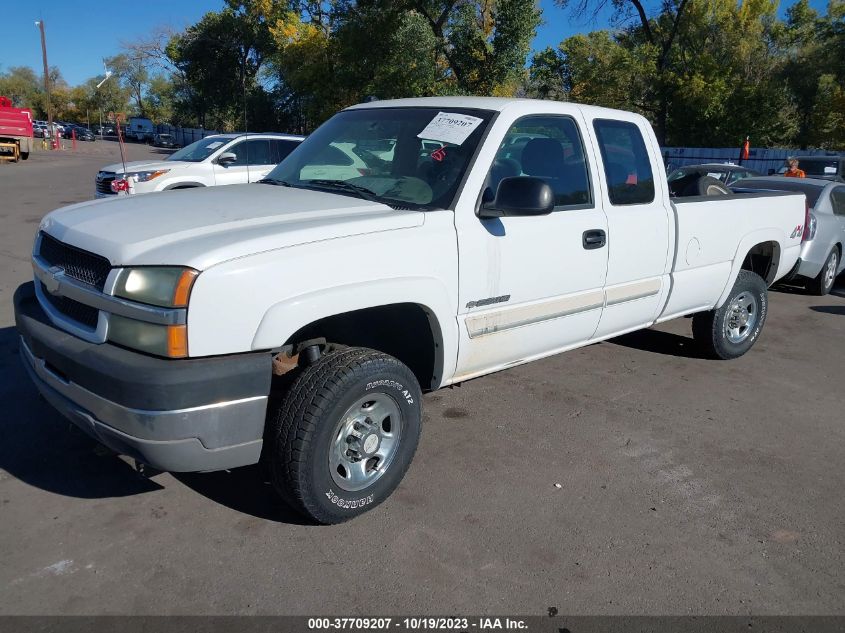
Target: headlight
<point x="165" y="286"/>
<point x="144" y="176"/>
<point x="162" y="340"/>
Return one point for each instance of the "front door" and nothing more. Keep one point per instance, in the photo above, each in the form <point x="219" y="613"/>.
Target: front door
<point x="529" y="286"/>
<point x="253" y="161"/>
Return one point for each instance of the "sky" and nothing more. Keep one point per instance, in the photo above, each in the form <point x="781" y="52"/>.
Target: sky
<point x="78" y="48"/>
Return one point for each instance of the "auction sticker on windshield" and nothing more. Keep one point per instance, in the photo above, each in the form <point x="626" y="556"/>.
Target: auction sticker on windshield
<point x="450" y="127"/>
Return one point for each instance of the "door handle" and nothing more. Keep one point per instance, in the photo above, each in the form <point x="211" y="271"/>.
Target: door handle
<point x="594" y="238"/>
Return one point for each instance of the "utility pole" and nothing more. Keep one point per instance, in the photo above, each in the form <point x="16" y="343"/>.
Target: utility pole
<point x="40" y="25"/>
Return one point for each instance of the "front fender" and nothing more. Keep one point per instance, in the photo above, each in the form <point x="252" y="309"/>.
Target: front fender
<point x="285" y="318"/>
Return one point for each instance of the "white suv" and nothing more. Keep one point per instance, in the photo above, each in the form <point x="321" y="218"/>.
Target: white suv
<point x="221" y="159"/>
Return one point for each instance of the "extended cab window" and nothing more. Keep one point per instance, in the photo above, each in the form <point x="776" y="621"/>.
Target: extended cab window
<point x="626" y="162"/>
<point x="547" y="147"/>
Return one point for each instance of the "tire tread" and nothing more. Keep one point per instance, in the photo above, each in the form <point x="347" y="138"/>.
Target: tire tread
<point x="294" y="424"/>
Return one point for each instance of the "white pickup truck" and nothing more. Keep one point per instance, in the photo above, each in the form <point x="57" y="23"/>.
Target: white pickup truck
<point x="298" y="320"/>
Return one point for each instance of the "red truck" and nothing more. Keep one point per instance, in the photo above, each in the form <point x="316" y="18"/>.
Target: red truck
<point x="15" y="131"/>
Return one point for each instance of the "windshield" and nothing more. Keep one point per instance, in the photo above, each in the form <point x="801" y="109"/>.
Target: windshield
<point x="200" y="150"/>
<point x="400" y="156"/>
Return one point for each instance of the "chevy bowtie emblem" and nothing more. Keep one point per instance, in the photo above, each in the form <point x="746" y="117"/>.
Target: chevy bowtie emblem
<point x="51" y="281"/>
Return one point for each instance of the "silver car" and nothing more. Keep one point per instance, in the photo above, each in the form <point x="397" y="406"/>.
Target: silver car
<point x="823" y="237"/>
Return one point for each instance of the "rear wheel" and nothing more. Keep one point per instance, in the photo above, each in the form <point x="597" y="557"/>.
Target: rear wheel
<point x="823" y="283"/>
<point x="344" y="434"/>
<point x="730" y="331"/>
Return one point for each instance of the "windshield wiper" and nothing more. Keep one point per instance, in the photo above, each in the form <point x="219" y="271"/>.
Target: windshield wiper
<point x="275" y="181"/>
<point x="342" y="185"/>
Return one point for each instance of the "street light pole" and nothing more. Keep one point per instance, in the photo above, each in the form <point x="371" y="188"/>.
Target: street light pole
<point x="40" y="25"/>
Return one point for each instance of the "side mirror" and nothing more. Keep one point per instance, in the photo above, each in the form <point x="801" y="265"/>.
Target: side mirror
<point x="520" y="196"/>
<point x="226" y="158"/>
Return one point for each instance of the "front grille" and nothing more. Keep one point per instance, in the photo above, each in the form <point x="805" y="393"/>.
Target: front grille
<point x="103" y="183"/>
<point x="77" y="264"/>
<point x="79" y="312"/>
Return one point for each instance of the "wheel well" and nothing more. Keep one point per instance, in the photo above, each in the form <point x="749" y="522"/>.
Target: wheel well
<point x="763" y="259"/>
<point x="406" y="331"/>
<point x="184" y="185"/>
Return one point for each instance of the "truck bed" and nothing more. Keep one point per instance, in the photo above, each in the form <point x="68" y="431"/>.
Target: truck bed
<point x="704" y="259"/>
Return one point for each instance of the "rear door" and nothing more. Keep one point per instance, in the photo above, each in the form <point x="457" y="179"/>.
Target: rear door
<point x="639" y="224"/>
<point x="530" y="286"/>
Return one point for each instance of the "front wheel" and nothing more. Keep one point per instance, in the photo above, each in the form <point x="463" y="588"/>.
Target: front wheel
<point x="823" y="283"/>
<point x="730" y="331"/>
<point x="345" y="434"/>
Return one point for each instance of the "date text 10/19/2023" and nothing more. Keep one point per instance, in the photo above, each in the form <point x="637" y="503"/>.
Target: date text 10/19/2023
<point x="418" y="624"/>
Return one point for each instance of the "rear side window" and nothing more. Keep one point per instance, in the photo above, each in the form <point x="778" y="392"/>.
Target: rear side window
<point x="837" y="200"/>
<point x="626" y="162"/>
<point x="281" y="149"/>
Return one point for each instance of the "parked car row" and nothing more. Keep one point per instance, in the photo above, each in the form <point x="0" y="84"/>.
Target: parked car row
<point x="41" y="129"/>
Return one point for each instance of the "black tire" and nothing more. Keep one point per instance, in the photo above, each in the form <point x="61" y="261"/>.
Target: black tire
<point x="713" y="330"/>
<point x="823" y="282"/>
<point x="706" y="186"/>
<point x="24" y="155"/>
<point x="303" y="431"/>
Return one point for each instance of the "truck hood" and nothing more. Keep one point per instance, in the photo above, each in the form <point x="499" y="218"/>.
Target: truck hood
<point x="203" y="227"/>
<point x="147" y="165"/>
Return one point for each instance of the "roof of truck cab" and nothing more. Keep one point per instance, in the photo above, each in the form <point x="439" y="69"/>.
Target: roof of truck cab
<point x="496" y="104"/>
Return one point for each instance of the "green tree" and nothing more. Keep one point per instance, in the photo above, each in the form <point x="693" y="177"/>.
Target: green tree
<point x="220" y="58"/>
<point x="20" y="84"/>
<point x="482" y="45"/>
<point x="658" y="32"/>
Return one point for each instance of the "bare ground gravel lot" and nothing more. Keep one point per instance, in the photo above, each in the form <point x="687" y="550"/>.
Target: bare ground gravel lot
<point x="687" y="485"/>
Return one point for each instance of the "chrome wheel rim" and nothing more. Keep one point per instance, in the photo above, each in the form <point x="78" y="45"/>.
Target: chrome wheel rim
<point x="830" y="271"/>
<point x="365" y="442"/>
<point x="741" y="317"/>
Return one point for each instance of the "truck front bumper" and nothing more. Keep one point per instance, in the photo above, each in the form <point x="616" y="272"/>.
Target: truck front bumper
<point x="177" y="415"/>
